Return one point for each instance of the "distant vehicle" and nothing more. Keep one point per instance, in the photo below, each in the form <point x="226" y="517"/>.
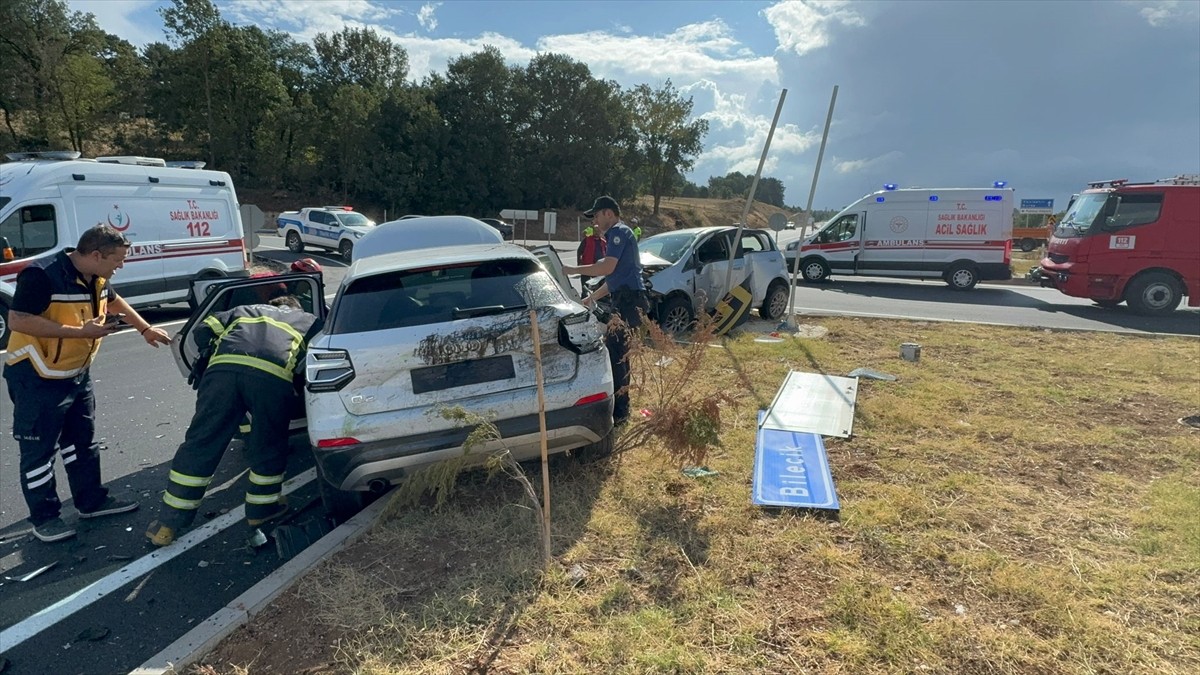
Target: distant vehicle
<point x="1029" y="238"/>
<point x="505" y="229"/>
<point x="1137" y="243"/>
<point x="415" y="330"/>
<point x="335" y="228"/>
<point x="184" y="222"/>
<point x="961" y="235"/>
<point x="686" y="270"/>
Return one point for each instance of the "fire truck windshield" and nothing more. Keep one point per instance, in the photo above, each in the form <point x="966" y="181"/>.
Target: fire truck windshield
<point x="1082" y="215"/>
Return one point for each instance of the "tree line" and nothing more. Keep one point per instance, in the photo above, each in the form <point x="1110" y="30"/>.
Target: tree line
<point x="341" y="119"/>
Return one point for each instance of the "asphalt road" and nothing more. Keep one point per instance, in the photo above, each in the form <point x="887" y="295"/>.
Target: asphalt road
<point x="143" y="408"/>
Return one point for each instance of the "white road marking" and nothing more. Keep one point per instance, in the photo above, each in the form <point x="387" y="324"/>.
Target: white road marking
<point x="16" y="634"/>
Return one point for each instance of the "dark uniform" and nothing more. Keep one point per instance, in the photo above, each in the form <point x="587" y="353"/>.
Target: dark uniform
<point x="256" y="350"/>
<point x="51" y="391"/>
<point x="628" y="293"/>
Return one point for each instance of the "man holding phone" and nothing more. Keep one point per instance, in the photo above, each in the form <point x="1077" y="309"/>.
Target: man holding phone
<point x="59" y="314"/>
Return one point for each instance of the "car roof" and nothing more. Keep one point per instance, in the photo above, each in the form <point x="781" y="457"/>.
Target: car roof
<point x="443" y="256"/>
<point x="411" y="234"/>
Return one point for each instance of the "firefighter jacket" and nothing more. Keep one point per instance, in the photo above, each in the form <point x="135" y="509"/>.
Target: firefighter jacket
<point x="266" y="338"/>
<point x="73" y="302"/>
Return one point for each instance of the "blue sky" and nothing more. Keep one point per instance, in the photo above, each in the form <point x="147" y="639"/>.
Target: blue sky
<point x="1046" y="95"/>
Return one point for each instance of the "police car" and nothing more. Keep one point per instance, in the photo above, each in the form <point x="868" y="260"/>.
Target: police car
<point x="336" y="228"/>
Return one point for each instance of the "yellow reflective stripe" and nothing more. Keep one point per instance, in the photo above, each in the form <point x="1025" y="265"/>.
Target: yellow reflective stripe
<point x="244" y="428"/>
<point x="262" y="499"/>
<point x="212" y="322"/>
<point x="265" y="480"/>
<point x="189" y="481"/>
<point x="252" y="362"/>
<point x="183" y="504"/>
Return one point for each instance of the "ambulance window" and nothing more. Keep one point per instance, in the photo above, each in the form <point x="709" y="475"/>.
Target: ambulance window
<point x="30" y="230"/>
<point x="1135" y="209"/>
<point x="842" y="230"/>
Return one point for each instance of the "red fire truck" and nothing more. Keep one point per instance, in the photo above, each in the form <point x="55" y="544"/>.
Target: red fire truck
<point x="1132" y="242"/>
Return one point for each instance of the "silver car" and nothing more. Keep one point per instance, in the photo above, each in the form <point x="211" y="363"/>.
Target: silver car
<point x="687" y="270"/>
<point x="413" y="332"/>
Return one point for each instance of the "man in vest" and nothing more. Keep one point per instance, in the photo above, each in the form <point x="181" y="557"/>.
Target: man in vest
<point x="58" y="317"/>
<point x="623" y="271"/>
<point x="590" y="250"/>
<point x="256" y="353"/>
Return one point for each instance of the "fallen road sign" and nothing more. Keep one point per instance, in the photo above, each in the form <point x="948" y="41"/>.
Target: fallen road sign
<point x="791" y="469"/>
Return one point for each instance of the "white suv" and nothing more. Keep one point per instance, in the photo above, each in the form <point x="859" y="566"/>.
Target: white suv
<point x="416" y="331"/>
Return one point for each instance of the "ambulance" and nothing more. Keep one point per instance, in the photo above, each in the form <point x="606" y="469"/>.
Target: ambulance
<point x="959" y="235"/>
<point x="184" y="222"/>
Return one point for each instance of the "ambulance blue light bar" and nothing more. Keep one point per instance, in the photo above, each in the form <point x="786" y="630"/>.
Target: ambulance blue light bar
<point x="879" y="199"/>
<point x="933" y="198"/>
<point x="999" y="184"/>
<point x="993" y="198"/>
<point x="889" y="186"/>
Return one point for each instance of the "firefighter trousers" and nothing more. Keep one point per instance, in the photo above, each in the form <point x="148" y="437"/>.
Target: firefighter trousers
<point x="48" y="415"/>
<point x="226" y="394"/>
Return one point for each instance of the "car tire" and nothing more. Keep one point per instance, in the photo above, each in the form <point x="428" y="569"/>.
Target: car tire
<point x="1153" y="293"/>
<point x="294" y="243"/>
<point x="962" y="277"/>
<point x="4" y="330"/>
<point x="340" y="505"/>
<point x="1027" y="244"/>
<point x="675" y="315"/>
<point x="595" y="452"/>
<point x="346" y="249"/>
<point x="776" y="303"/>
<point x="814" y="270"/>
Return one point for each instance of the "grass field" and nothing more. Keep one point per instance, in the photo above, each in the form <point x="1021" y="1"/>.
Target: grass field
<point x="1019" y="501"/>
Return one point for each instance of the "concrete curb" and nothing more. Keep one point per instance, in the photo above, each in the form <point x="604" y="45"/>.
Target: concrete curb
<point x="204" y="637"/>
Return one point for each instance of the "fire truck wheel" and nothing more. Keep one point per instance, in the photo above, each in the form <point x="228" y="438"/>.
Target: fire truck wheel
<point x="1153" y="293"/>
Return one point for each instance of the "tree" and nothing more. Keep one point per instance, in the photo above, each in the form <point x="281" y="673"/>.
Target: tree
<point x="197" y="27"/>
<point x="667" y="140"/>
<point x="359" y="56"/>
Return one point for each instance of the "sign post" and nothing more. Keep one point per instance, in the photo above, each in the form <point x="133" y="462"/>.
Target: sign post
<point x="549" y="224"/>
<point x="1037" y="206"/>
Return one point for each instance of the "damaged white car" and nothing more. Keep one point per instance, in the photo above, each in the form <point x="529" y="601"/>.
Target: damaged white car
<point x="417" y="330"/>
<point x="686" y="271"/>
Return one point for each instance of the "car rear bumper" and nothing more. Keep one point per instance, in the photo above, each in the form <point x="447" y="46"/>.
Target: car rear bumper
<point x="356" y="467"/>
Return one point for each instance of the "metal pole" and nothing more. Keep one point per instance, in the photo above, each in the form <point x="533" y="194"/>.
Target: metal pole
<point x="750" y="197"/>
<point x="791" y="317"/>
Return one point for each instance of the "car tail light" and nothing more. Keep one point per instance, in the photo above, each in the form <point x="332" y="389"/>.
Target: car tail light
<point x="1008" y="251"/>
<point x="594" y="398"/>
<point x="337" y="442"/>
<point x="328" y="369"/>
<point x="577" y="333"/>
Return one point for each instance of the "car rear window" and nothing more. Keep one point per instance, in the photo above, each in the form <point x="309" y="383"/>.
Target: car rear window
<point x="441" y="294"/>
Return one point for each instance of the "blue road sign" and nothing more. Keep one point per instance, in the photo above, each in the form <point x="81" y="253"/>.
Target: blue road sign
<point x="1037" y="206"/>
<point x="791" y="469"/>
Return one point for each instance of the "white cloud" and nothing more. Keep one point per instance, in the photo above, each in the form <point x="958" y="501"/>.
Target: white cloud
<point x="428" y="55"/>
<point x="305" y="18"/>
<point x="1163" y="13"/>
<point x="736" y="135"/>
<point x="117" y="17"/>
<point x="426" y="18"/>
<point x="803" y="25"/>
<point x="845" y="166"/>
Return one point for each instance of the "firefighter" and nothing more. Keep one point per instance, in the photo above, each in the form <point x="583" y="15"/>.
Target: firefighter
<point x="590" y="250"/>
<point x="256" y="351"/>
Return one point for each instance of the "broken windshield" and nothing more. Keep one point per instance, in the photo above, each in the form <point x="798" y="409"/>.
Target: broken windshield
<point x="669" y="246"/>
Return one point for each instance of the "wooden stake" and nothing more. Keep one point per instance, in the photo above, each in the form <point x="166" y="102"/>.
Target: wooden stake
<point x="537" y="362"/>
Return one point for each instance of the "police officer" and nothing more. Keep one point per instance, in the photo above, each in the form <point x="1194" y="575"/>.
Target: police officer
<point x="256" y="351"/>
<point x="623" y="283"/>
<point x="58" y="318"/>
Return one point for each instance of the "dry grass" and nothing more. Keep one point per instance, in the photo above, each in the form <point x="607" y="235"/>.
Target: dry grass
<point x="1018" y="502"/>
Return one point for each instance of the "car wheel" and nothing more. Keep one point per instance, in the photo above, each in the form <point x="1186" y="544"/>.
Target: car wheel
<point x="962" y="277"/>
<point x="776" y="302"/>
<point x="1028" y="244"/>
<point x="814" y="270"/>
<point x="346" y="248"/>
<point x="294" y="244"/>
<point x="3" y="326"/>
<point x="341" y="505"/>
<point x="675" y="315"/>
<point x="595" y="452"/>
<point x="1153" y="293"/>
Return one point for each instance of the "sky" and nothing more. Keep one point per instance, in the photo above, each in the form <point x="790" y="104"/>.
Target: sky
<point x="1046" y="95"/>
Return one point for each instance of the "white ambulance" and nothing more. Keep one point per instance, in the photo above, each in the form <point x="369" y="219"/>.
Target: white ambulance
<point x="184" y="222"/>
<point x="960" y="235"/>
